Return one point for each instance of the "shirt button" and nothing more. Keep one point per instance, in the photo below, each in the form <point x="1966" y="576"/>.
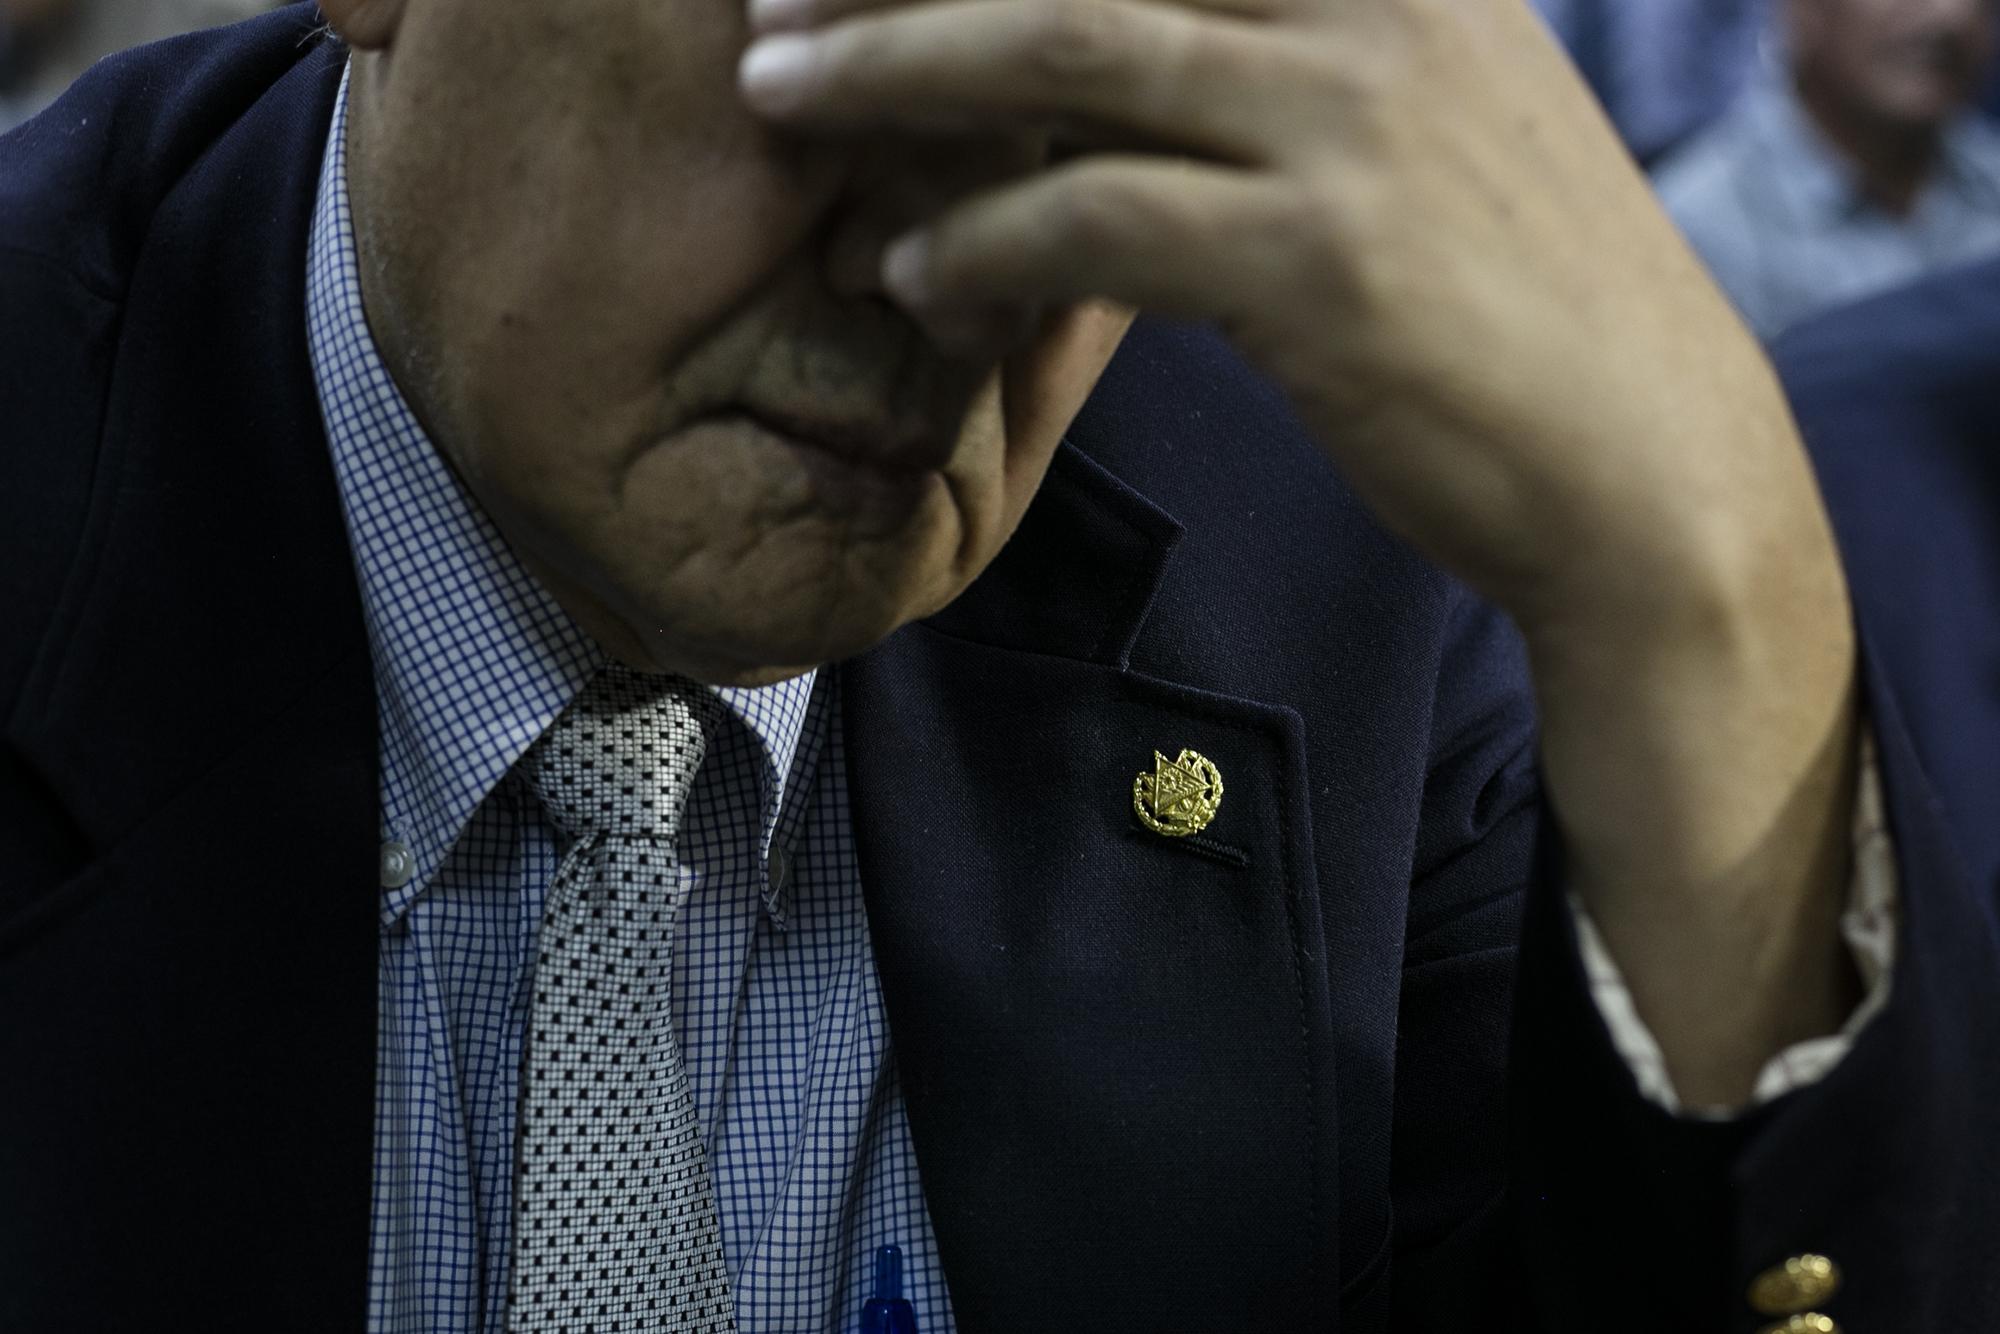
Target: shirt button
<point x="399" y="865"/>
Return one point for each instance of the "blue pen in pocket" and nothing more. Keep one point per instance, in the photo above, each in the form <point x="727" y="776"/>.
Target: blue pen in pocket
<point x="887" y="1312"/>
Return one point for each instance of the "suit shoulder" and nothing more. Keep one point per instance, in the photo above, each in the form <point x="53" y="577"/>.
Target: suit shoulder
<point x="1900" y="395"/>
<point x="1898" y="400"/>
<point x="1937" y="341"/>
<point x="80" y="188"/>
<point x="80" y="183"/>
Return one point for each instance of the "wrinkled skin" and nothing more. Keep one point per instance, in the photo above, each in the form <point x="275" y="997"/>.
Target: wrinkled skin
<point x="645" y="330"/>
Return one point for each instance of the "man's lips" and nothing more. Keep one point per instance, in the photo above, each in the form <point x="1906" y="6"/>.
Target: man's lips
<point x="874" y="444"/>
<point x="873" y="483"/>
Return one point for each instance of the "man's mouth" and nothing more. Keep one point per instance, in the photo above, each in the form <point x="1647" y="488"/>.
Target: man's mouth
<point x="877" y="443"/>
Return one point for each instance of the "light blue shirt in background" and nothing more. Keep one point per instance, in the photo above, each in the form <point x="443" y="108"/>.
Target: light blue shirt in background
<point x="1662" y="68"/>
<point x="1776" y="213"/>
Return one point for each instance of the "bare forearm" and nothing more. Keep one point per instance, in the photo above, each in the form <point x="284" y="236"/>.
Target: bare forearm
<point x="1700" y="750"/>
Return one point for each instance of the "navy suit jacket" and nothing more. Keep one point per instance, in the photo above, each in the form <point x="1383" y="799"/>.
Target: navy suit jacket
<point x="1899" y="399"/>
<point x="1259" y="1084"/>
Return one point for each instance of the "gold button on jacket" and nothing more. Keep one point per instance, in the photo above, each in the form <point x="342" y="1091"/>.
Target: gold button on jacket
<point x="1796" y="1286"/>
<point x="1810" y="1323"/>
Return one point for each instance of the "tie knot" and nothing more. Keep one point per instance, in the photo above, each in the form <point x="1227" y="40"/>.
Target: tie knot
<point x="622" y="757"/>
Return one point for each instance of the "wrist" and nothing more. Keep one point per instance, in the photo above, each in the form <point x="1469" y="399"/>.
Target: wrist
<point x="1693" y="708"/>
<point x="1700" y="745"/>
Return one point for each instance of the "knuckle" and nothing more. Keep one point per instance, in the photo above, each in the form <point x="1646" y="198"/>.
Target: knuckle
<point x="1071" y="41"/>
<point x="1237" y="63"/>
<point x="1318" y="236"/>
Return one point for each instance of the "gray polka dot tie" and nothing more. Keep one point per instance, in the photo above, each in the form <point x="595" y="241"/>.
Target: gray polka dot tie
<point x="614" y="1215"/>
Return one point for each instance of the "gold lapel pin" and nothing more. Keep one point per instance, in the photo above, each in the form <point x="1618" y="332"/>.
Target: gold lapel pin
<point x="1180" y="796"/>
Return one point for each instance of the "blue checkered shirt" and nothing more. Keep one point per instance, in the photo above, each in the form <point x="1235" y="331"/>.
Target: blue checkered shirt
<point x="776" y="1000"/>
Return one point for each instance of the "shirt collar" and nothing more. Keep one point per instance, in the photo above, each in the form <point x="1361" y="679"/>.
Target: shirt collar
<point x="1808" y="174"/>
<point x="790" y="721"/>
<point x="473" y="659"/>
<point x="1971" y="160"/>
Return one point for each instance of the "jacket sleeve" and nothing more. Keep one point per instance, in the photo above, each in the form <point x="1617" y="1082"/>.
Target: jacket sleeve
<point x="1481" y="811"/>
<point x="1630" y="1217"/>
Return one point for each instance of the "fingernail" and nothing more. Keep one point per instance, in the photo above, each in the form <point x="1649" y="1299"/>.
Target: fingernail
<point x="906" y="269"/>
<point x="772" y="15"/>
<point x="774" y="71"/>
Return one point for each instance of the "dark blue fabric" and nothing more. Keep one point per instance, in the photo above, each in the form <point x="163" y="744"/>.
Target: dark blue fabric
<point x="1899" y="399"/>
<point x="1257" y="1083"/>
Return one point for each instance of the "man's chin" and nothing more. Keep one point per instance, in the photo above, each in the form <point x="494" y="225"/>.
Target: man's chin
<point x="743" y="665"/>
<point x="708" y="668"/>
<point x="760" y="676"/>
<point x="757" y="651"/>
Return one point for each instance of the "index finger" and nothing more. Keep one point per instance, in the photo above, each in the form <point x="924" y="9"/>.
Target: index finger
<point x="771" y="16"/>
<point x="1202" y="83"/>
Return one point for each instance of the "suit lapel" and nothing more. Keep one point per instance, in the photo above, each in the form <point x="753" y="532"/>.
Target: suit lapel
<point x="204" y="708"/>
<point x="1113" y="1045"/>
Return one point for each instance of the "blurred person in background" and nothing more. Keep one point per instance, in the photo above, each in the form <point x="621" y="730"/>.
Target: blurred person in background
<point x="1858" y="165"/>
<point x="1663" y="69"/>
<point x="45" y="44"/>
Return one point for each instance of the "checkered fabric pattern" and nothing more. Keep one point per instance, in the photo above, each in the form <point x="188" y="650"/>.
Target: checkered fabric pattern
<point x="776" y="1003"/>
